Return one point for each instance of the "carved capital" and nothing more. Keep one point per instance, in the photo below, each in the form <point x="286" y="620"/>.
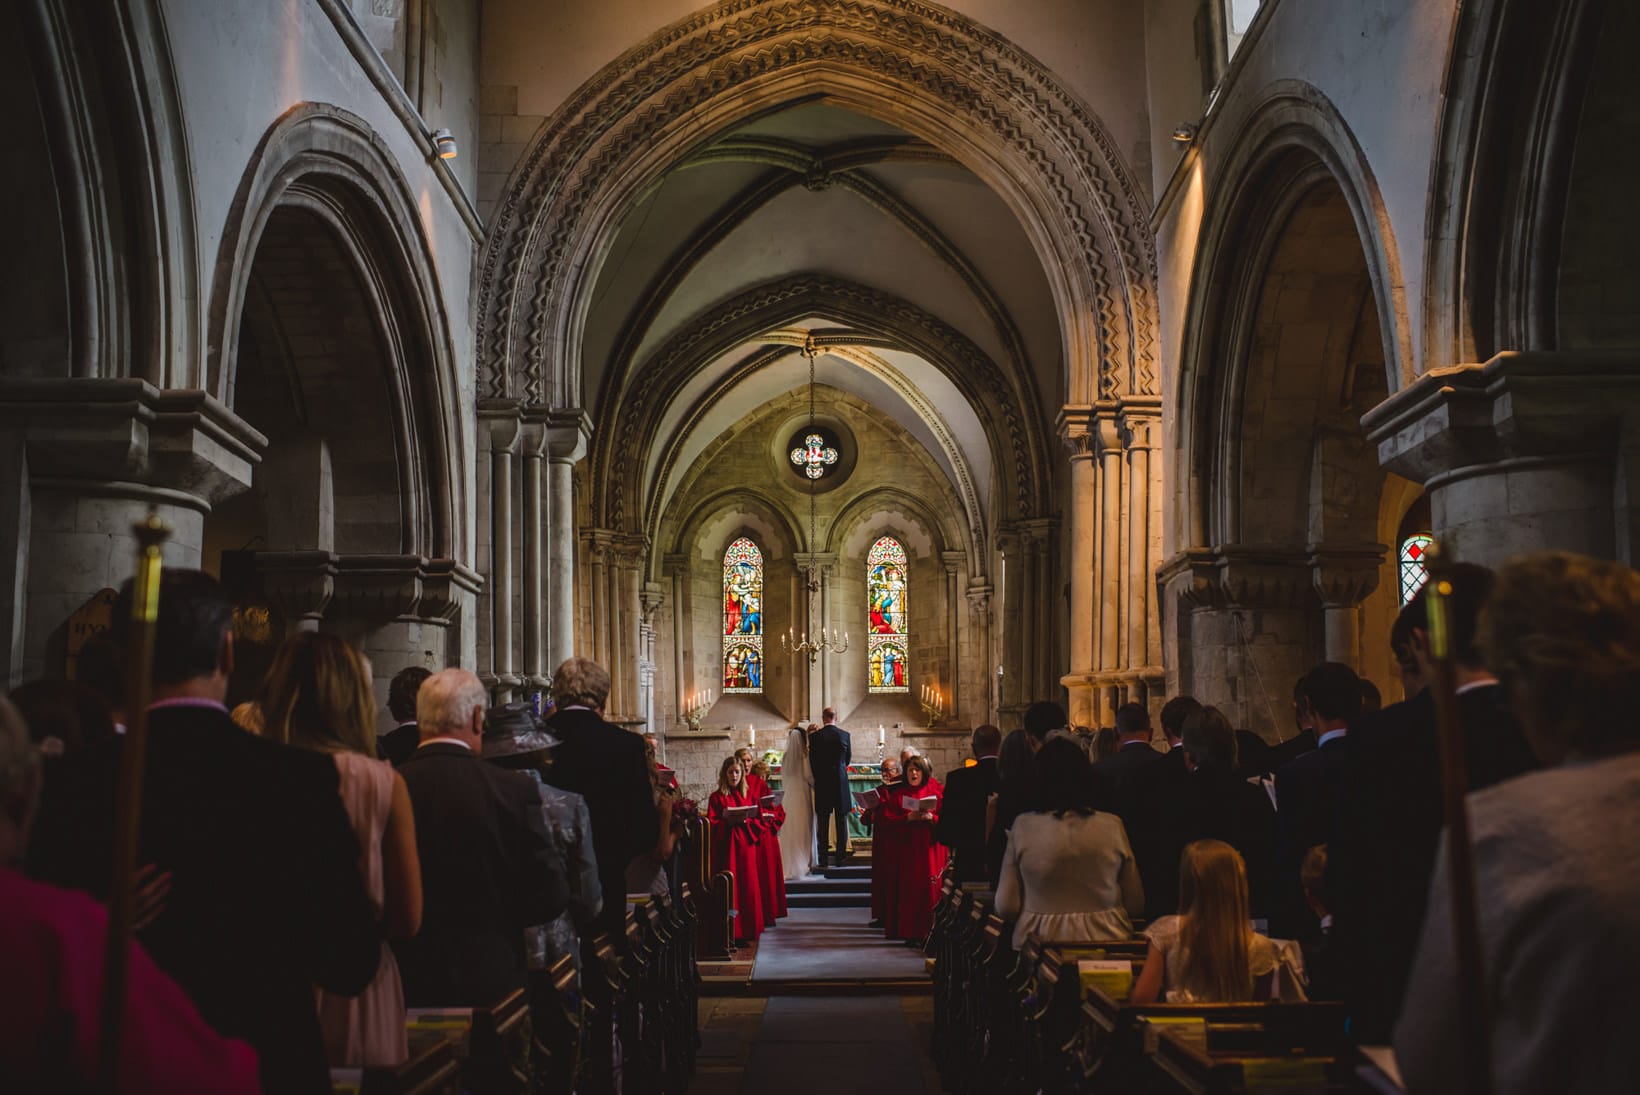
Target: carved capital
<point x="1259" y="577"/>
<point x="445" y="585"/>
<point x="1140" y="422"/>
<point x="979" y="600"/>
<point x="1345" y="574"/>
<point x="953" y="560"/>
<point x="1191" y="578"/>
<point x="567" y="434"/>
<point x="300" y="583"/>
<point x="675" y="563"/>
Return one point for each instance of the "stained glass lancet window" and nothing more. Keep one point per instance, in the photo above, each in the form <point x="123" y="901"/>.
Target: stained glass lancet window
<point x="1414" y="568"/>
<point x="888" y="667"/>
<point x="743" y="617"/>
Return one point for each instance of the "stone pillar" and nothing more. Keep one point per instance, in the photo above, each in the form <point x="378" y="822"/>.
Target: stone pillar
<point x="677" y="576"/>
<point x="650" y="600"/>
<point x="952" y="561"/>
<point x="1343" y="577"/>
<point x="504" y="437"/>
<point x="566" y="436"/>
<point x="83" y="460"/>
<point x="1083" y="565"/>
<point x="531" y="449"/>
<point x="818" y="671"/>
<point x="1042" y="674"/>
<point x="1141" y="649"/>
<point x="626" y="619"/>
<point x="979" y="619"/>
<point x="598" y="547"/>
<point x="1528" y="452"/>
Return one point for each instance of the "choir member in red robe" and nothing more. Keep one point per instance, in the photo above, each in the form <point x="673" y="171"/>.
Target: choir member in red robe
<point x="920" y="859"/>
<point x="884" y="839"/>
<point x="772" y="869"/>
<point x="735" y="842"/>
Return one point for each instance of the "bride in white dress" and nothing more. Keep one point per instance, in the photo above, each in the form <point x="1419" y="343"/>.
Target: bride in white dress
<point x="797" y="781"/>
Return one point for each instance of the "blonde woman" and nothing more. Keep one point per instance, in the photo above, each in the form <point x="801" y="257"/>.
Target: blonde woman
<point x="1208" y="953"/>
<point x="317" y="696"/>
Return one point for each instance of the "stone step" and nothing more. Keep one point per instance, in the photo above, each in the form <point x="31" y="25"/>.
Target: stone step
<point x="828" y="900"/>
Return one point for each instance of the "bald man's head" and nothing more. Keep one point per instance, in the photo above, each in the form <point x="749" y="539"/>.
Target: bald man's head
<point x="450" y="704"/>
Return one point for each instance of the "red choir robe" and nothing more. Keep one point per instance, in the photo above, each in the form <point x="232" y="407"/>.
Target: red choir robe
<point x="735" y="847"/>
<point x="919" y="862"/>
<point x="884" y="846"/>
<point x="773" y="869"/>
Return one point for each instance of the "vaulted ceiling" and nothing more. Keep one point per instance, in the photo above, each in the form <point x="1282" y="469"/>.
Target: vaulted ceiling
<point x="868" y="230"/>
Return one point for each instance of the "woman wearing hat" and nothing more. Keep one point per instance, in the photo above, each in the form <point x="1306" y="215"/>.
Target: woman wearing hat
<point x="512" y="739"/>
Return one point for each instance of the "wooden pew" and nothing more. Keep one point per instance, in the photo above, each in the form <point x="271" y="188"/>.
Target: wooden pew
<point x="1051" y="1007"/>
<point x="558" y="1027"/>
<point x="1202" y="1047"/>
<point x="431" y="1069"/>
<point x="492" y="1043"/>
<point x="713" y="889"/>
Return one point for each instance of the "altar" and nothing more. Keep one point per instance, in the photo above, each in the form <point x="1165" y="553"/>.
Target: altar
<point x="861" y="777"/>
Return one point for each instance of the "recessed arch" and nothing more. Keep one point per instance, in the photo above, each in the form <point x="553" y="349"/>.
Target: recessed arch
<point x="331" y="166"/>
<point x="935" y="74"/>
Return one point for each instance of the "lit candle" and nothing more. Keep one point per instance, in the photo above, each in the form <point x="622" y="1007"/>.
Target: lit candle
<point x="754" y="738"/>
<point x="879" y="734"/>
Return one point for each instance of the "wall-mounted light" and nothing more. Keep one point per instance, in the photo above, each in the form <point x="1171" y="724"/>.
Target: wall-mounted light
<point x="444" y="144"/>
<point x="1185" y="133"/>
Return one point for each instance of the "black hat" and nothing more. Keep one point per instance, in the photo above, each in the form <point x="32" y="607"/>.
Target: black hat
<point x="510" y="730"/>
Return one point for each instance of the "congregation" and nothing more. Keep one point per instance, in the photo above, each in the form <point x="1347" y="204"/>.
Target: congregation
<point x="300" y="893"/>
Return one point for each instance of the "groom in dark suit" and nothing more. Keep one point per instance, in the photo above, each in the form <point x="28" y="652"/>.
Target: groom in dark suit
<point x="830" y="751"/>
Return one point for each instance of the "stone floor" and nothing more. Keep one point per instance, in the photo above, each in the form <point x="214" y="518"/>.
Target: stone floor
<point x="827" y="1045"/>
<point x="833" y="945"/>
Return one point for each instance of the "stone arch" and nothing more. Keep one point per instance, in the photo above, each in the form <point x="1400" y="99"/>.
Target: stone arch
<point x="1508" y="128"/>
<point x="1296" y="329"/>
<point x="868" y="506"/>
<point x="774" y="513"/>
<point x="966" y="89"/>
<point x="328" y="166"/>
<point x="1292" y="143"/>
<point x="119" y="156"/>
<point x="874" y="318"/>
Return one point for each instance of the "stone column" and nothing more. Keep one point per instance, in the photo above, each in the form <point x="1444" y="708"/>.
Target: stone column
<point x="83" y="461"/>
<point x="1083" y="507"/>
<point x="1014" y="688"/>
<point x="650" y="600"/>
<point x="979" y="618"/>
<point x="1343" y="577"/>
<point x="1142" y="654"/>
<point x="626" y="618"/>
<point x="566" y="436"/>
<point x="677" y="576"/>
<point x="534" y="671"/>
<point x="598" y="546"/>
<point x="1041" y="676"/>
<point x="1528" y="452"/>
<point x="952" y="561"/>
<point x="504" y="436"/>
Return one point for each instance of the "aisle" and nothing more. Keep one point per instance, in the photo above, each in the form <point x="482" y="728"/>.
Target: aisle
<point x="832" y="946"/>
<point x="825" y="1045"/>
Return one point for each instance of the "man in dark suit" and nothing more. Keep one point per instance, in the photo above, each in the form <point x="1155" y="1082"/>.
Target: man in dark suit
<point x="605" y="765"/>
<point x="1157" y="797"/>
<point x="1213" y="802"/>
<point x="1307" y="787"/>
<point x="266" y="899"/>
<point x="398" y="743"/>
<point x="1387" y="826"/>
<point x="1117" y="776"/>
<point x="961" y="826"/>
<point x="830" y="751"/>
<point x="488" y="868"/>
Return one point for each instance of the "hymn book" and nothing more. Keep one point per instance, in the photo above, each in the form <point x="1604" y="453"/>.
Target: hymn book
<point x="740" y="813"/>
<point x="772" y="800"/>
<point x="909" y="803"/>
<point x="866" y="800"/>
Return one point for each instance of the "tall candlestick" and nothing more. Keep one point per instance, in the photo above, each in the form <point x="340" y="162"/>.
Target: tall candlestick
<point x="879" y="735"/>
<point x="754" y="739"/>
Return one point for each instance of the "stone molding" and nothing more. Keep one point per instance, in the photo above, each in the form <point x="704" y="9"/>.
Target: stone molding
<point x="1239" y="576"/>
<point x="622" y="125"/>
<point x="312" y="585"/>
<point x="93" y="434"/>
<point x="1345" y="574"/>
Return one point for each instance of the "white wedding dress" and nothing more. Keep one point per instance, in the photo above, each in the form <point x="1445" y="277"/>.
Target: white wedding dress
<point x="797" y="781"/>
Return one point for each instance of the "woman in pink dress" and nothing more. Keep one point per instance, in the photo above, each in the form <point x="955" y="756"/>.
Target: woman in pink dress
<point x="735" y="841"/>
<point x="318" y="697"/>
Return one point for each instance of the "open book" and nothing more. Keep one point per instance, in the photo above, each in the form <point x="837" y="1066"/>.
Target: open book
<point x="912" y="802"/>
<point x="867" y="800"/>
<point x="737" y="813"/>
<point x="772" y="800"/>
